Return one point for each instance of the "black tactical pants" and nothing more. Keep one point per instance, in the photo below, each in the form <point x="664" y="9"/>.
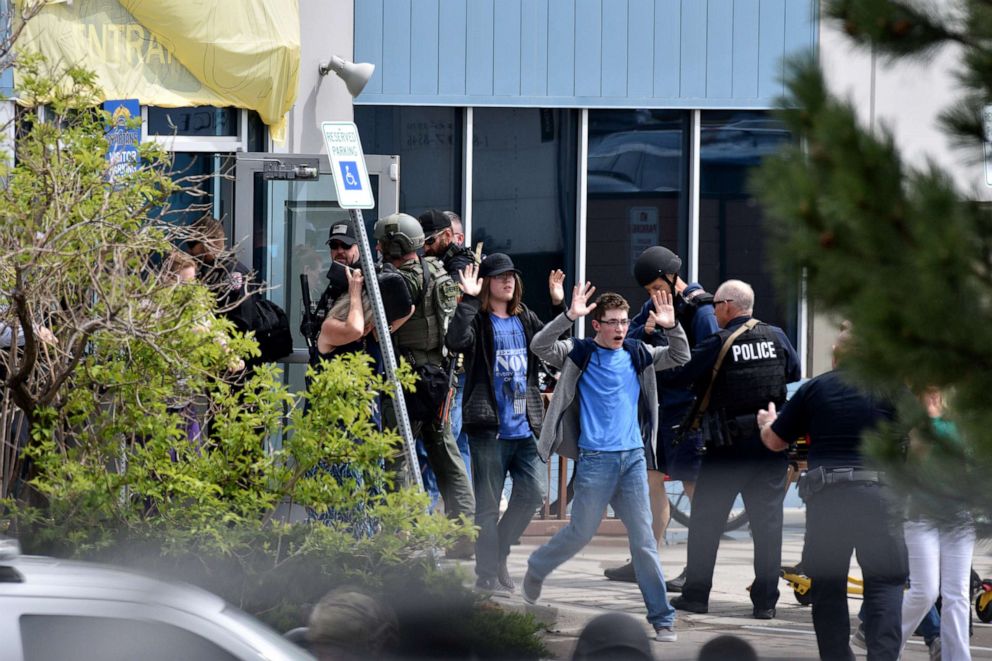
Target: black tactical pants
<point x="855" y="517"/>
<point x="759" y="478"/>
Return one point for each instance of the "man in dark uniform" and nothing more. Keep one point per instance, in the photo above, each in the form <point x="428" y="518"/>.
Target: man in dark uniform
<point x="757" y="362"/>
<point x="847" y="508"/>
<point x="657" y="269"/>
<point x="439" y="242"/>
<point x="332" y="335"/>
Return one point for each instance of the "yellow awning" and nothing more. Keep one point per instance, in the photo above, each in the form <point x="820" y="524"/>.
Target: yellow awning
<point x="175" y="53"/>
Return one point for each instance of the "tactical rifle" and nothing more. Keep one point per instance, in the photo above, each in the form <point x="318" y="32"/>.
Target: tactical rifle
<point x="309" y="323"/>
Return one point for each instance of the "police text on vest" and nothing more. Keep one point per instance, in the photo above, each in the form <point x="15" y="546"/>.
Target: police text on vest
<point x="759" y="351"/>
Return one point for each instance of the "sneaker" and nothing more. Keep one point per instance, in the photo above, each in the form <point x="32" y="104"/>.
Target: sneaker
<point x="763" y="613"/>
<point x="858" y="639"/>
<point x="677" y="583"/>
<point x="532" y="588"/>
<point x="683" y="604"/>
<point x="623" y="573"/>
<point x="665" y="635"/>
<point x="503" y="576"/>
<point x="934" y="647"/>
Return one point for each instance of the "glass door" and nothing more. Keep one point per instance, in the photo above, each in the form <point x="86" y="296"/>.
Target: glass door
<point x="284" y="208"/>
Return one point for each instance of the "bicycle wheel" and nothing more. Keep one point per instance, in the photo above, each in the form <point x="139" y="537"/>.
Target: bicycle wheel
<point x="682" y="509"/>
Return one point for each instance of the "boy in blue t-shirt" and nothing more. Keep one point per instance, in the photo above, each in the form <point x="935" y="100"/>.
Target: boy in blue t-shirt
<point x="604" y="414"/>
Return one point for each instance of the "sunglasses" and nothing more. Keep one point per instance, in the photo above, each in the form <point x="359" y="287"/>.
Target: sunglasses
<point x="723" y="300"/>
<point x="431" y="240"/>
<point x="337" y="245"/>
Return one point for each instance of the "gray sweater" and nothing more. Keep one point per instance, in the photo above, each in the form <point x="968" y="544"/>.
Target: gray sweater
<point x="560" y="432"/>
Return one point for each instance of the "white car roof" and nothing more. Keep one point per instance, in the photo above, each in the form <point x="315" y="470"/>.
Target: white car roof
<point x="52" y="577"/>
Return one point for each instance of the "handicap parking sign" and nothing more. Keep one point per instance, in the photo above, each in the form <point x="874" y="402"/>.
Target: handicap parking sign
<point x="351" y="179"/>
<point x="349" y="175"/>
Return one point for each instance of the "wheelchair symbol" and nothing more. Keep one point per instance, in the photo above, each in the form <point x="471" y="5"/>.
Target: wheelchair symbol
<point x="349" y="175"/>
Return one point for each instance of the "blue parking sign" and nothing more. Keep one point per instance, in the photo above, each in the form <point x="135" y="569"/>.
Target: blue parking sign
<point x="349" y="175"/>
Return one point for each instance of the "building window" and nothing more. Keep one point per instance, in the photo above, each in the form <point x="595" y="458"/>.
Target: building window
<point x="209" y="187"/>
<point x="428" y="141"/>
<point x="637" y="180"/>
<point x="200" y="121"/>
<point x="524" y="192"/>
<point x="732" y="230"/>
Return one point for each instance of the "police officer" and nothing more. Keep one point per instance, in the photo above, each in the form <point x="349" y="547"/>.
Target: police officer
<point x="657" y="269"/>
<point x="439" y="241"/>
<point x="420" y="339"/>
<point x="847" y="508"/>
<point x="756" y="361"/>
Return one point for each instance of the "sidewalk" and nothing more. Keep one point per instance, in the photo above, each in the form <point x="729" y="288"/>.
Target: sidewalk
<point x="579" y="592"/>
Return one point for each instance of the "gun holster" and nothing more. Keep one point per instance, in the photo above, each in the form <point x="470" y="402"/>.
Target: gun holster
<point x="812" y="483"/>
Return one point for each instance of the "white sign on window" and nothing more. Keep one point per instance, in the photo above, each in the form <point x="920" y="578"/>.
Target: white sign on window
<point x="643" y="229"/>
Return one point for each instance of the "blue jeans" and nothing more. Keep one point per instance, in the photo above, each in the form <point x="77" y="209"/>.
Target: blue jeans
<point x="461" y="438"/>
<point x="619" y="479"/>
<point x="492" y="458"/>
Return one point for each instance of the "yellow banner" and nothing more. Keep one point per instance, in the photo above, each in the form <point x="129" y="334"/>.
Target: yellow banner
<point x="176" y="53"/>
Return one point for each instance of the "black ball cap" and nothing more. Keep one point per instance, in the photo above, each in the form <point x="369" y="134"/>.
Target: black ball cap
<point x="654" y="263"/>
<point x="496" y="264"/>
<point x="343" y="232"/>
<point x="433" y="221"/>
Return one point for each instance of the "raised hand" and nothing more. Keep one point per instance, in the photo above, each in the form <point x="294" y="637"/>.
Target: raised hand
<point x="664" y="310"/>
<point x="767" y="416"/>
<point x="581" y="294"/>
<point x="470" y="282"/>
<point x="556" y="286"/>
<point x="355" y="280"/>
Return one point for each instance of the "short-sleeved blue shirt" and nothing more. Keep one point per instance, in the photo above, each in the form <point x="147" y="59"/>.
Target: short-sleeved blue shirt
<point x="608" y="397"/>
<point x="510" y="377"/>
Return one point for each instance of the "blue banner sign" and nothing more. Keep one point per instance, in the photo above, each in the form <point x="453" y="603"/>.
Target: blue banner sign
<point x="122" y="138"/>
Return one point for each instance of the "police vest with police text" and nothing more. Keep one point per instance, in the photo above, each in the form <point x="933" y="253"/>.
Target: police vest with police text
<point x="753" y="372"/>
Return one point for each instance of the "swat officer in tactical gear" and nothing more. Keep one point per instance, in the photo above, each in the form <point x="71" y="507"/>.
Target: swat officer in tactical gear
<point x="735" y="373"/>
<point x="420" y="339"/>
<point x="439" y="241"/>
<point x="657" y="269"/>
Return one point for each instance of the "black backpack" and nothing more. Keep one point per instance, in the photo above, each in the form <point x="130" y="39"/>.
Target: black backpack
<point x="271" y="327"/>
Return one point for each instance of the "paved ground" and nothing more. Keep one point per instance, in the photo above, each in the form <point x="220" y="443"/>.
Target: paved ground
<point x="579" y="592"/>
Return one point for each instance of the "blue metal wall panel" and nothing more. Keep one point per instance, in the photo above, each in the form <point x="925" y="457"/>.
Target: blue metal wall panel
<point x="561" y="48"/>
<point x="692" y="73"/>
<point x="640" y="48"/>
<point x="479" y="48"/>
<point x="396" y="42"/>
<point x="800" y="29"/>
<point x="771" y="46"/>
<point x="588" y="47"/>
<point x="534" y="48"/>
<point x="745" y="54"/>
<point x="368" y="40"/>
<point x="452" y="22"/>
<point x="424" y="48"/>
<point x="667" y="49"/>
<point x="719" y="49"/>
<point x="614" y="39"/>
<point x="506" y="43"/>
<point x="580" y="53"/>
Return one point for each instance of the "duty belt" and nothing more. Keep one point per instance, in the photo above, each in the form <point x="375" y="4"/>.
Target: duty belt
<point x="842" y="475"/>
<point x="820" y="478"/>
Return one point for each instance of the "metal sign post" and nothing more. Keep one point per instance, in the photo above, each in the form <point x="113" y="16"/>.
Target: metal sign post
<point x="351" y="180"/>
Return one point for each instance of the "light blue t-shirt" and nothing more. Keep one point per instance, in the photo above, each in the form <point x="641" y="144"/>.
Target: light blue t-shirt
<point x="510" y="377"/>
<point x="608" y="398"/>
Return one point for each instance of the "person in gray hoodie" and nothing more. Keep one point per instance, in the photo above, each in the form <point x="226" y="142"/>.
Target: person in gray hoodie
<point x="604" y="415"/>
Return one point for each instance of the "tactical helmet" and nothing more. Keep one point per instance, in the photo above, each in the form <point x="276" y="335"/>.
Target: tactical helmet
<point x="398" y="234"/>
<point x="654" y="263"/>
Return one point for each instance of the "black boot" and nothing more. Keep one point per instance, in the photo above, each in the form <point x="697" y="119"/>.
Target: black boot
<point x="623" y="573"/>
